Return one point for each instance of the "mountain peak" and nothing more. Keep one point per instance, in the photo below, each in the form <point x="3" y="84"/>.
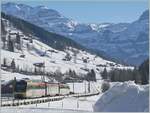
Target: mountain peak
<point x="11" y="7"/>
<point x="42" y="7"/>
<point x="145" y="15"/>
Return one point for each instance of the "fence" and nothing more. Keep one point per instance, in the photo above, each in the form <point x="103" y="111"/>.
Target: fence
<point x="42" y="100"/>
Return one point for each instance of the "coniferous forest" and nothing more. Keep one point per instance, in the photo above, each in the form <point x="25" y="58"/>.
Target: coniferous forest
<point x="139" y="74"/>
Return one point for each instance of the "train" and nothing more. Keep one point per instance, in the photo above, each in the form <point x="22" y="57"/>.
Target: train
<point x="21" y="89"/>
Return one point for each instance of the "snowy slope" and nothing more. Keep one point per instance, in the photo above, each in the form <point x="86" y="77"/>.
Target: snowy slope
<point x="129" y="41"/>
<point x="6" y="76"/>
<point x="124" y="97"/>
<point x="54" y="60"/>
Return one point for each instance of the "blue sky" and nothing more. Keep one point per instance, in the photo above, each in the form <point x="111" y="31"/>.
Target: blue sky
<point x="98" y="11"/>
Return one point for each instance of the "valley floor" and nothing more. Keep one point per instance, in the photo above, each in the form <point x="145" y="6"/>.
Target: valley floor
<point x="121" y="97"/>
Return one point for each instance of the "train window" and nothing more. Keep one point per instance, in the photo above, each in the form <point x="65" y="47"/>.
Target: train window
<point x="20" y="86"/>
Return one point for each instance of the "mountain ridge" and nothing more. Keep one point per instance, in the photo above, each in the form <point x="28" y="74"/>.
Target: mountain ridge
<point x="50" y="39"/>
<point x="123" y="38"/>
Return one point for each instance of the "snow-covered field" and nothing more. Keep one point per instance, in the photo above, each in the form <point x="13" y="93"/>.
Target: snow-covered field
<point x="6" y="76"/>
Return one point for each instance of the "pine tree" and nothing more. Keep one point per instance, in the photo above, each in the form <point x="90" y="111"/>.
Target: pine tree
<point x="85" y="62"/>
<point x="18" y="41"/>
<point x="75" y="52"/>
<point x="104" y="74"/>
<point x="138" y="78"/>
<point x="3" y="30"/>
<point x="68" y="57"/>
<point x="4" y="62"/>
<point x="35" y="71"/>
<point x="10" y="44"/>
<point x="74" y="74"/>
<point x="18" y="38"/>
<point x="3" y="34"/>
<point x="13" y="65"/>
<point x="93" y="75"/>
<point x="28" y="46"/>
<point x="144" y="71"/>
<point x="4" y="41"/>
<point x="112" y="76"/>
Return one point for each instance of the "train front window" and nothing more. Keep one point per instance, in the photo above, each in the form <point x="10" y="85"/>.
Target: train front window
<point x="20" y="86"/>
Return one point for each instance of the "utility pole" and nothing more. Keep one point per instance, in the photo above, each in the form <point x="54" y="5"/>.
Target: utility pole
<point x="58" y="88"/>
<point x="85" y="86"/>
<point x="45" y="80"/>
<point x="73" y="86"/>
<point x="14" y="87"/>
<point x="45" y="87"/>
<point x="88" y="86"/>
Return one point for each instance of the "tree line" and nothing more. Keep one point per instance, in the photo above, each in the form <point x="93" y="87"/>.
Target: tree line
<point x="10" y="43"/>
<point x="139" y="74"/>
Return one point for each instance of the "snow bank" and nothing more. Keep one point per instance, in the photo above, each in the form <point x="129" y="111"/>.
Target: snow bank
<point x="124" y="97"/>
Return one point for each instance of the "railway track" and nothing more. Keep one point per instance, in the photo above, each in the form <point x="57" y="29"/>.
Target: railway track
<point x="42" y="99"/>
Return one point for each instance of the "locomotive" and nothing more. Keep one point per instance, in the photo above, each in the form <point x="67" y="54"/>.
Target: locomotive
<point x="34" y="89"/>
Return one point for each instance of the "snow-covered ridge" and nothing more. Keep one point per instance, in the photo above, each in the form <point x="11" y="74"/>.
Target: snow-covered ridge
<point x="124" y="97"/>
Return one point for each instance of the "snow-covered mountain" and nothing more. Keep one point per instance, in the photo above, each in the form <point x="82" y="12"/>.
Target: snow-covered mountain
<point x="31" y="50"/>
<point x="34" y="51"/>
<point x="128" y="41"/>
